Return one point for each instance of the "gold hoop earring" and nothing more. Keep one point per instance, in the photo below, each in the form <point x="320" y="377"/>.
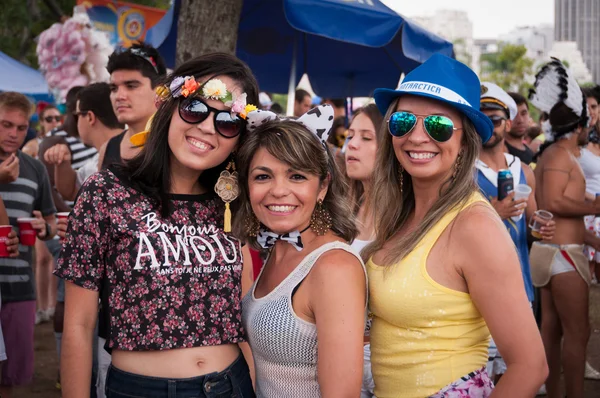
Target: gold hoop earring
<point x="252" y="226"/>
<point x="228" y="189"/>
<point x="320" y="221"/>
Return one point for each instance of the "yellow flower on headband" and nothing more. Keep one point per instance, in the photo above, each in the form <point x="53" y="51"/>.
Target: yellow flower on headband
<point x="249" y="108"/>
<point x="163" y="92"/>
<point x="215" y="89"/>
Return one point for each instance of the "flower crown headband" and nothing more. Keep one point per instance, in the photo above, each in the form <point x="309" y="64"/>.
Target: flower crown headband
<point x="186" y="86"/>
<point x="213" y="89"/>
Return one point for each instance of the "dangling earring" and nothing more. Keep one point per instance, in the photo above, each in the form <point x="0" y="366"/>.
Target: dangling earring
<point x="457" y="166"/>
<point x="401" y="179"/>
<point x="228" y="189"/>
<point x="320" y="221"/>
<point x="252" y="226"/>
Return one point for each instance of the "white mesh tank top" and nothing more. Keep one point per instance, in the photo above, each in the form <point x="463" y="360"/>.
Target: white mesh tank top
<point x="284" y="346"/>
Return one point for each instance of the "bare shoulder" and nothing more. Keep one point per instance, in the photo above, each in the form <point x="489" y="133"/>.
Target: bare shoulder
<point x="337" y="265"/>
<point x="556" y="157"/>
<point x="477" y="224"/>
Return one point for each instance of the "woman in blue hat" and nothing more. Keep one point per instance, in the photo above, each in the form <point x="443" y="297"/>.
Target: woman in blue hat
<point x="442" y="263"/>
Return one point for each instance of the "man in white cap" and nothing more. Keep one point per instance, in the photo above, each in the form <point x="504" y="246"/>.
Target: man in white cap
<point x="502" y="109"/>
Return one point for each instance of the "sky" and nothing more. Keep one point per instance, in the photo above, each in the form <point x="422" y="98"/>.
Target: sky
<point x="490" y="18"/>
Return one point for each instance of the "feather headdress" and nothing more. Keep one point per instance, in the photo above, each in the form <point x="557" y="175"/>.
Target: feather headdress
<point x="555" y="85"/>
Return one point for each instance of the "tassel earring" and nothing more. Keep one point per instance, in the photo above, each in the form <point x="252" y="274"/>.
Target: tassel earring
<point x="228" y="189"/>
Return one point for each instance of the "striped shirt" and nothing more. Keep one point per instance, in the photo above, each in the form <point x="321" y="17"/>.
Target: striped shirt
<point x="31" y="191"/>
<point x="80" y="153"/>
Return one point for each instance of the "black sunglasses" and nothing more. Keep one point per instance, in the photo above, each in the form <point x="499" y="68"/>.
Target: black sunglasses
<point x="194" y="111"/>
<point x="497" y="120"/>
<point x="77" y="114"/>
<point x="49" y="119"/>
<point x="439" y="128"/>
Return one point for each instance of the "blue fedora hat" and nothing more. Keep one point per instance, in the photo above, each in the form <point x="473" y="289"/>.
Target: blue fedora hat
<point x="447" y="80"/>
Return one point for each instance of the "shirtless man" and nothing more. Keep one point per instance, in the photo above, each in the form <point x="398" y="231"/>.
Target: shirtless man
<point x="558" y="265"/>
<point x="502" y="109"/>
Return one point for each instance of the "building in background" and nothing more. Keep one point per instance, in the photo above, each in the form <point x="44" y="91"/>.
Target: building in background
<point x="454" y="26"/>
<point x="538" y="40"/>
<point x="568" y="51"/>
<point x="579" y="21"/>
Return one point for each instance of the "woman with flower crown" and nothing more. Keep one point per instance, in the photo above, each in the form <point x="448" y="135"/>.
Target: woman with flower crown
<point x="157" y="231"/>
<point x="305" y="314"/>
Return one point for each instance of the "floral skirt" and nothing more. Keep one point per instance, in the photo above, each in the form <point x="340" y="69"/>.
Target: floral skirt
<point x="476" y="384"/>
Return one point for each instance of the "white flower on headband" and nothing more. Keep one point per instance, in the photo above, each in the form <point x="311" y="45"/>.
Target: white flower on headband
<point x="215" y="89"/>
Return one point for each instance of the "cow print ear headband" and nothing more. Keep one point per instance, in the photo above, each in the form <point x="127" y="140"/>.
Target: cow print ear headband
<point x="318" y="120"/>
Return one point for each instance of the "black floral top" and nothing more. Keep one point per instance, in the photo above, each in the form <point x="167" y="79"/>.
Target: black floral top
<point x="173" y="282"/>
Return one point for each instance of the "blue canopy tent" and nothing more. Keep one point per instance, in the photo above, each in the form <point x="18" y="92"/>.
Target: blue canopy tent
<point x="347" y="49"/>
<point x="21" y="78"/>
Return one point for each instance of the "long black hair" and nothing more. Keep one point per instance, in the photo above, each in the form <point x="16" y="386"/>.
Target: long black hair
<point x="150" y="171"/>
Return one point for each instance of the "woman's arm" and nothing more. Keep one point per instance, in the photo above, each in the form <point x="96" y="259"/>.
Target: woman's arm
<point x="82" y="264"/>
<point x="81" y="313"/>
<point x="337" y="294"/>
<point x="247" y="282"/>
<point x="490" y="266"/>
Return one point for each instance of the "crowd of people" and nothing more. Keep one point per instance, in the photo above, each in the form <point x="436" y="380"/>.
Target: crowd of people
<point x="206" y="245"/>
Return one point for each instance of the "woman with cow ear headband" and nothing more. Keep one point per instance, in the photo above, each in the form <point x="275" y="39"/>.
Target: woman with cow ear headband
<point x="310" y="296"/>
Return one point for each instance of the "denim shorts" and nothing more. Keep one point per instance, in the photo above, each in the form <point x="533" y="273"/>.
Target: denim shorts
<point x="233" y="382"/>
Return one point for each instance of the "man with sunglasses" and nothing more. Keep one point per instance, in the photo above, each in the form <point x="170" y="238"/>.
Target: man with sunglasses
<point x="502" y="109"/>
<point x="134" y="74"/>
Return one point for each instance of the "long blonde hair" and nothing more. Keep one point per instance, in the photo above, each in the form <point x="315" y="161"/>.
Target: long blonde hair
<point x="392" y="206"/>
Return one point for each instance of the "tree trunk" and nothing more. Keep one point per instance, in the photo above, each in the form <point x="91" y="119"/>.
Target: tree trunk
<point x="206" y="26"/>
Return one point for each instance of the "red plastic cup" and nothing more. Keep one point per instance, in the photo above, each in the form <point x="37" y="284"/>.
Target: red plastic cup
<point x="4" y="231"/>
<point x="63" y="215"/>
<point x="27" y="234"/>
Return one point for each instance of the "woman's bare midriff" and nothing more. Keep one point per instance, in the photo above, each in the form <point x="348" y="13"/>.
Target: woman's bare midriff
<point x="177" y="363"/>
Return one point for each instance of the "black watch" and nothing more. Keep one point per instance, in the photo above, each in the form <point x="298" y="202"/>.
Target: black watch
<point x="48" y="230"/>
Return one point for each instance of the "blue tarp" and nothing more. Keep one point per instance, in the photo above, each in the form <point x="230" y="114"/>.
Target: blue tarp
<point x="15" y="76"/>
<point x="347" y="48"/>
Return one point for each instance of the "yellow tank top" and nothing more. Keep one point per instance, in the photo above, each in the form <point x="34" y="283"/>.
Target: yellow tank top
<point x="424" y="335"/>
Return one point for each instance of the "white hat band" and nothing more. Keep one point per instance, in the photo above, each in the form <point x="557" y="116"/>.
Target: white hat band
<point x="434" y="90"/>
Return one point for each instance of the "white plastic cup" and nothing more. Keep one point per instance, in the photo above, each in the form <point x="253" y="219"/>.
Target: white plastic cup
<point x="522" y="191"/>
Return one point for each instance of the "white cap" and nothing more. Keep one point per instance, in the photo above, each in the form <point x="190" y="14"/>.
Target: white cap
<point x="493" y="97"/>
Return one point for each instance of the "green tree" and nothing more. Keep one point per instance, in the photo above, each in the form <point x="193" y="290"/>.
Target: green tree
<point x="22" y="21"/>
<point x="460" y="50"/>
<point x="510" y="68"/>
